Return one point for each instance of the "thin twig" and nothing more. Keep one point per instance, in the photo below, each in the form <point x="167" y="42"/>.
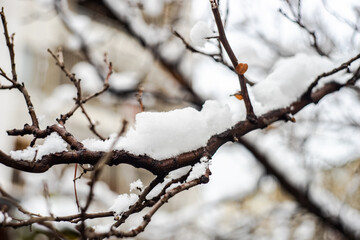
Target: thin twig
<point x="138" y="206"/>
<point x="298" y="21"/>
<point x="10" y="44"/>
<point x="147" y="218"/>
<point x="343" y="66"/>
<point x="192" y="49"/>
<point x="80" y="101"/>
<point x="96" y="174"/>
<point x="75" y="190"/>
<point x="139" y="95"/>
<point x="20" y="86"/>
<point x="15" y="203"/>
<point x="250" y="115"/>
<point x="217" y="57"/>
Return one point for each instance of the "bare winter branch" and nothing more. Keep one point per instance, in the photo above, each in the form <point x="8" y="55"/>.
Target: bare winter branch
<point x="223" y="39"/>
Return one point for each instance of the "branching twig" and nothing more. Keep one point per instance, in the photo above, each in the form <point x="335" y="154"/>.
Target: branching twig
<point x="343" y="66"/>
<point x="80" y="101"/>
<point x="20" y="86"/>
<point x="217" y="57"/>
<point x="222" y="36"/>
<point x="184" y="159"/>
<point x="147" y="218"/>
<point x="138" y="206"/>
<point x="70" y="218"/>
<point x="10" y="44"/>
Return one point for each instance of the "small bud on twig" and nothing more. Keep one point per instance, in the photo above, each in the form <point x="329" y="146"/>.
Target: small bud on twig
<point x="239" y="96"/>
<point x="241" y="68"/>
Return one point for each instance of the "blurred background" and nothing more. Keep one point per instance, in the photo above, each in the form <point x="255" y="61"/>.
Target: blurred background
<point x="320" y="153"/>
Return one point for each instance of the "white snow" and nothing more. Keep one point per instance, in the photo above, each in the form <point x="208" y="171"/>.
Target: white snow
<point x="199" y="33"/>
<point x="52" y="144"/>
<point x="157" y="189"/>
<point x="289" y="79"/>
<point x="137" y="185"/>
<point x="179" y="172"/>
<point x="98" y="145"/>
<point x="81" y="26"/>
<point x="123" y="202"/>
<point x="161" y="135"/>
<point x="198" y="169"/>
<point x="171" y="176"/>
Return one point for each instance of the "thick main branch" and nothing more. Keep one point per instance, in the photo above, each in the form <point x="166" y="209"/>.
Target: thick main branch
<point x="162" y="167"/>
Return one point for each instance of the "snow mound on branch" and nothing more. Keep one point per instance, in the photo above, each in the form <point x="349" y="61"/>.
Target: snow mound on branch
<point x="199" y="169"/>
<point x="136" y="185"/>
<point x="52" y="144"/>
<point x="162" y="135"/>
<point x="289" y="80"/>
<point x="123" y="202"/>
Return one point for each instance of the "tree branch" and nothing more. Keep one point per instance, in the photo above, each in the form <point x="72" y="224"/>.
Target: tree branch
<point x="223" y="39"/>
<point x="162" y="167"/>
